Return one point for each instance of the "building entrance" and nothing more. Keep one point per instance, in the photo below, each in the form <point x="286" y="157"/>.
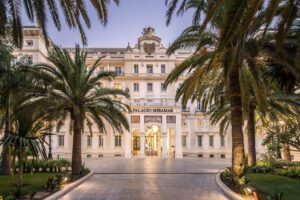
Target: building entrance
<point x="136" y="141"/>
<point x="152" y="141"/>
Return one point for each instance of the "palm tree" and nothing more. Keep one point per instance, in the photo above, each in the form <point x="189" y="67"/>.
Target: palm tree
<point x="37" y="11"/>
<point x="9" y="83"/>
<point x="236" y="22"/>
<point x="74" y="91"/>
<point x="26" y="134"/>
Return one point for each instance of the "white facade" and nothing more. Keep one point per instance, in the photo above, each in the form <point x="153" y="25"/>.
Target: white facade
<point x="158" y="125"/>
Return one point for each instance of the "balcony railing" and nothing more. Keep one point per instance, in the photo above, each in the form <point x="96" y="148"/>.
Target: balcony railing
<point x="119" y="73"/>
<point x="154" y="102"/>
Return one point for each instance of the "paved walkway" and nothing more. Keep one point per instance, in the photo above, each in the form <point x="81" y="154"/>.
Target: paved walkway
<point x="150" y="179"/>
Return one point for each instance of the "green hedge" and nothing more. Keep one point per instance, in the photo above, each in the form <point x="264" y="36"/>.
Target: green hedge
<point x="54" y="166"/>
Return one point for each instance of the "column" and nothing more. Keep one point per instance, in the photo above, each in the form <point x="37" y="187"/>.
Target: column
<point x="142" y="145"/>
<point x="178" y="144"/>
<point x="189" y="136"/>
<point x="142" y="137"/>
<point x="164" y="135"/>
<point x="127" y="145"/>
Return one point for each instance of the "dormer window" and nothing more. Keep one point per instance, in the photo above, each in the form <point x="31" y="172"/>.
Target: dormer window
<point x="29" y="43"/>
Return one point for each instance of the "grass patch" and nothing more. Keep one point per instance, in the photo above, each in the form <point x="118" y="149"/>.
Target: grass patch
<point x="270" y="183"/>
<point x="31" y="182"/>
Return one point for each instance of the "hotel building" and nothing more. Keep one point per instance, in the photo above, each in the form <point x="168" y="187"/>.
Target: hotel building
<point x="159" y="126"/>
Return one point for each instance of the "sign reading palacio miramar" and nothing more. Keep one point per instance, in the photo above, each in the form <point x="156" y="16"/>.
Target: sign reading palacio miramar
<point x="154" y="110"/>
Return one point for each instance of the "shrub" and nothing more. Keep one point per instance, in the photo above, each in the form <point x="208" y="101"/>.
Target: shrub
<point x="293" y="172"/>
<point x="261" y="169"/>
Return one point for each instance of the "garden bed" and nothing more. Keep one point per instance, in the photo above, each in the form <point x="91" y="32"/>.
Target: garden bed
<point x="272" y="183"/>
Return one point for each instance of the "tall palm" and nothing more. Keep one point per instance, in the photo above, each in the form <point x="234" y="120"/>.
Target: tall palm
<point x="209" y="69"/>
<point x="37" y="11"/>
<point x="237" y="21"/>
<point x="74" y="91"/>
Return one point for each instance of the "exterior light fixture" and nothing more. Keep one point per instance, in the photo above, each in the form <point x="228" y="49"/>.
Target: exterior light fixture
<point x="252" y="191"/>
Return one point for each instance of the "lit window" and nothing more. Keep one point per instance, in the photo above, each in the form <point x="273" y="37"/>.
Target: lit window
<point x="118" y="86"/>
<point x="136" y="87"/>
<point x="118" y="141"/>
<point x="163" y="69"/>
<point x="199" y="139"/>
<point x="211" y="140"/>
<point x="222" y="138"/>
<point x="136" y="68"/>
<point x="89" y="141"/>
<point x="149" y="87"/>
<point x="100" y="141"/>
<point x="61" y="140"/>
<point x="162" y="87"/>
<point x="183" y="140"/>
<point x="150" y="69"/>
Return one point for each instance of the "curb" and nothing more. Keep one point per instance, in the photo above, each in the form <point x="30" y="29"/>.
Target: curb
<point x="68" y="188"/>
<point x="227" y="190"/>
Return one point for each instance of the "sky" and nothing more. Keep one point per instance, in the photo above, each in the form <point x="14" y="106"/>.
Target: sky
<point x="125" y="24"/>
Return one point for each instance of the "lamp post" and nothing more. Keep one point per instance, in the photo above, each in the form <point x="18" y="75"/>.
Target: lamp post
<point x="50" y="141"/>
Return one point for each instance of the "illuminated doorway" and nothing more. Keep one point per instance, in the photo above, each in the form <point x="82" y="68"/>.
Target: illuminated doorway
<point x="136" y="141"/>
<point x="152" y="141"/>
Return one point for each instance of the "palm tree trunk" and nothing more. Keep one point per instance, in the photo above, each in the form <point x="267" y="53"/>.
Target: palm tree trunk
<point x="238" y="154"/>
<point x="76" y="153"/>
<point x="6" y="158"/>
<point x="286" y="152"/>
<point x="251" y="137"/>
<point x="20" y="163"/>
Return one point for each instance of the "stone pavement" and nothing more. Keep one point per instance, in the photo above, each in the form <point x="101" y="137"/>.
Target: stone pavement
<point x="151" y="179"/>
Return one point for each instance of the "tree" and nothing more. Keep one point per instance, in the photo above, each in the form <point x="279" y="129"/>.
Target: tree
<point x="8" y="83"/>
<point x="27" y="133"/>
<point x="236" y="22"/>
<point x="74" y="90"/>
<point x="37" y="11"/>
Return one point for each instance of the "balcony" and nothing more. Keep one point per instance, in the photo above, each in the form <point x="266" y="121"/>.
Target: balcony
<point x="185" y="110"/>
<point x="153" y="102"/>
<point x="119" y="73"/>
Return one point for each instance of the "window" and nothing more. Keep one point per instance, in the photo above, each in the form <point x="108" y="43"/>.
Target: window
<point x="199" y="139"/>
<point x="149" y="87"/>
<point x="150" y="69"/>
<point x="136" y="87"/>
<point x="222" y="138"/>
<point x="162" y="87"/>
<point x="101" y="69"/>
<point x="183" y="140"/>
<point x="118" y="86"/>
<point x="200" y="107"/>
<point x="136" y="68"/>
<point x="100" y="140"/>
<point x="163" y="69"/>
<point x="61" y="140"/>
<point x="211" y="140"/>
<point x="29" y="43"/>
<point x="89" y="140"/>
<point x="118" y="70"/>
<point x="118" y="141"/>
